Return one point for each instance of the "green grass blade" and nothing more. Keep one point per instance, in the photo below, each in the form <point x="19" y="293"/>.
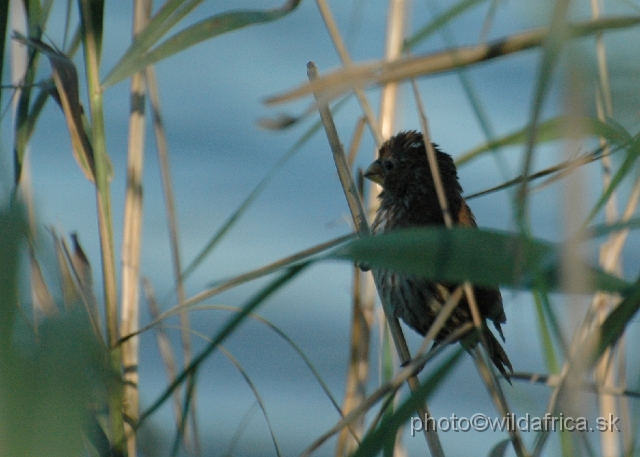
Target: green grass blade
<point x="167" y="16"/>
<point x="614" y="325"/>
<point x="605" y="229"/>
<point x="551" y="130"/>
<point x="231" y="221"/>
<point x="194" y="34"/>
<point x="548" y="351"/>
<point x="552" y="45"/>
<point x="440" y="21"/>
<point x="256" y="394"/>
<point x="483" y="257"/>
<point x="13" y="230"/>
<point x="374" y="442"/>
<point x="633" y="152"/>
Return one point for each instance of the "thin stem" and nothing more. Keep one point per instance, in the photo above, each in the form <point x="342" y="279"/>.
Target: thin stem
<point x="131" y="242"/>
<point x="357" y="212"/>
<point x="90" y="12"/>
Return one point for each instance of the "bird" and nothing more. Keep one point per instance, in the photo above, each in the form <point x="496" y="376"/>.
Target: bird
<point x="409" y="200"/>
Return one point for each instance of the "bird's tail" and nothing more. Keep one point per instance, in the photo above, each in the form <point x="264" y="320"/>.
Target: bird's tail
<point x="496" y="352"/>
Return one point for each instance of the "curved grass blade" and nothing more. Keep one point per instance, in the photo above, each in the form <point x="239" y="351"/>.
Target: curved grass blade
<point x="256" y="394"/>
<point x="633" y="152"/>
<point x="550" y="130"/>
<point x="483" y="257"/>
<point x="171" y="12"/>
<point x="139" y="56"/>
<point x="281" y="334"/>
<point x="226" y="331"/>
<point x="240" y="429"/>
<point x="65" y="77"/>
<point x="294" y="346"/>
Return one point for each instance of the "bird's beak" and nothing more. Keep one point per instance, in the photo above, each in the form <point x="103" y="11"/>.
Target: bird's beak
<point x="374" y="173"/>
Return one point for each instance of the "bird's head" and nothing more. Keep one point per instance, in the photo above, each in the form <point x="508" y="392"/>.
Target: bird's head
<point x="402" y="165"/>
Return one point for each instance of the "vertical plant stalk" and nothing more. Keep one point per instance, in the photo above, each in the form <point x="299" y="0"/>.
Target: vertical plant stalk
<point x="603" y="303"/>
<point x="164" y="346"/>
<point x="362" y="227"/>
<point x="131" y="240"/>
<point x="91" y="15"/>
<point x="358" y="371"/>
<point x="553" y="44"/>
<point x="363" y="286"/>
<point x="24" y="62"/>
<point x="573" y="270"/>
<point x="341" y="49"/>
<point x="172" y="221"/>
<point x="388" y="97"/>
<point x="489" y="379"/>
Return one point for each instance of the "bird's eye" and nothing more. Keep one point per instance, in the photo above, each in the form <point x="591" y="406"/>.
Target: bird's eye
<point x="387" y="164"/>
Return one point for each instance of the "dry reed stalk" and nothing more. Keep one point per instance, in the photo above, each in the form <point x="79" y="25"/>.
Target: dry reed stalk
<point x="131" y="241"/>
<point x="166" y="351"/>
<point x="241" y="279"/>
<point x="341" y="49"/>
<point x="191" y="432"/>
<point x="357" y="212"/>
<point x="361" y="322"/>
<point x="363" y="295"/>
<point x="335" y="83"/>
<point x="394" y="43"/>
<point x="602" y="303"/>
<point x="490" y="381"/>
<point x="407" y="372"/>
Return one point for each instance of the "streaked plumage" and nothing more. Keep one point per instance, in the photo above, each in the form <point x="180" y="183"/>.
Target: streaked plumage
<point x="409" y="199"/>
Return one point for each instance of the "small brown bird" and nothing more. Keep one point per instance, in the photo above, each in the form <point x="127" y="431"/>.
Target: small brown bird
<point x="409" y="199"/>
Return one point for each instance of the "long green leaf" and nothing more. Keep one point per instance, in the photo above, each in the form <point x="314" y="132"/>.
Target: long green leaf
<point x="483" y="257"/>
<point x="171" y="12"/>
<point x="551" y="130"/>
<point x="194" y="34"/>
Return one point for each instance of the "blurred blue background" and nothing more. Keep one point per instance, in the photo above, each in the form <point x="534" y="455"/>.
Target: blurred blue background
<point x="212" y="99"/>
